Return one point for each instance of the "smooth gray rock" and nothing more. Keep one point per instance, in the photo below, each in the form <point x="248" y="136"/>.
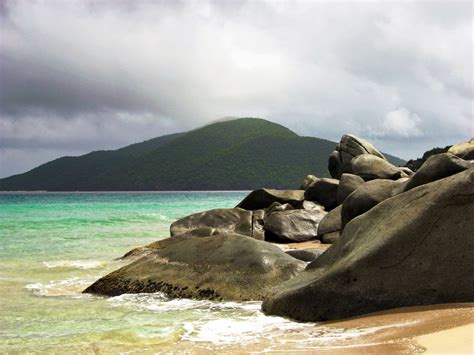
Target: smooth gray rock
<point x="305" y="254"/>
<point x="331" y="222"/>
<point x="330" y="238"/>
<point x="263" y="198"/>
<point x="293" y="225"/>
<point x="402" y="183"/>
<point x="258" y="220"/>
<point x="347" y="184"/>
<point x="349" y="147"/>
<point x="147" y="249"/>
<point x="365" y="197"/>
<point x="276" y="206"/>
<point x="323" y="191"/>
<point x="308" y="181"/>
<point x="370" y="167"/>
<point x="463" y="150"/>
<point x="406" y="170"/>
<point x="416" y="248"/>
<point x="335" y="164"/>
<point x="225" y="220"/>
<point x="228" y="267"/>
<point x="311" y="206"/>
<point x="355" y="146"/>
<point x="437" y="167"/>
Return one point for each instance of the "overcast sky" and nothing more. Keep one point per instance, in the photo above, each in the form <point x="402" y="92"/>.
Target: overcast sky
<point x="77" y="76"/>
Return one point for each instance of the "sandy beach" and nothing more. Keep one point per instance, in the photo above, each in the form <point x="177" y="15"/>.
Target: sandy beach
<point x="437" y="329"/>
<point x="459" y="340"/>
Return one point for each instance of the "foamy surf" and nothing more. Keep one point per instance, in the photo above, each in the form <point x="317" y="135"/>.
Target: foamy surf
<point x="159" y="302"/>
<point x="228" y="324"/>
<point x="72" y="286"/>
<point x="219" y="323"/>
<point x="75" y="264"/>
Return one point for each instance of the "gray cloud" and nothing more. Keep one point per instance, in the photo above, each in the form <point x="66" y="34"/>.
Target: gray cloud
<point x="82" y="75"/>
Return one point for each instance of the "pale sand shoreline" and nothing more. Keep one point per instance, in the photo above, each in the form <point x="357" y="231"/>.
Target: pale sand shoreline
<point x="446" y="329"/>
<point x="459" y="340"/>
<point x="437" y="329"/>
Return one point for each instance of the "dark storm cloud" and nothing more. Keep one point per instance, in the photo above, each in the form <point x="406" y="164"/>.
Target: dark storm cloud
<point x="82" y="75"/>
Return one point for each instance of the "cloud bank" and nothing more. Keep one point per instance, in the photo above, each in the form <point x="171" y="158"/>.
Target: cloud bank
<point x="76" y="76"/>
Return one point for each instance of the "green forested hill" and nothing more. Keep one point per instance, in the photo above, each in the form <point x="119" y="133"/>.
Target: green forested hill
<point x="239" y="154"/>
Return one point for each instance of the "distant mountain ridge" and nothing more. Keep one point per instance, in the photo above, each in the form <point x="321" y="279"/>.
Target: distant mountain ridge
<point x="236" y="154"/>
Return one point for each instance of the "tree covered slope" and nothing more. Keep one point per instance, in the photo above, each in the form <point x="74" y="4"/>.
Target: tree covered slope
<point x="244" y="153"/>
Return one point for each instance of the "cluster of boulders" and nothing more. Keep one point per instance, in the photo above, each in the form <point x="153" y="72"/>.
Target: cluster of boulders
<point x="398" y="239"/>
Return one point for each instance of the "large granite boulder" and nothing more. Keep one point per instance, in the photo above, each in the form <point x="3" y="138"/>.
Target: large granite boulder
<point x="225" y="220"/>
<point x="331" y="222"/>
<point x="463" y="150"/>
<point x="416" y="248"/>
<point x="163" y="243"/>
<point x="293" y="225"/>
<point x="349" y="147"/>
<point x="347" y="184"/>
<point x="311" y="206"/>
<point x="371" y="167"/>
<point x="437" y="167"/>
<point x="308" y="181"/>
<point x="263" y="198"/>
<point x="355" y="146"/>
<point x="230" y="267"/>
<point x="275" y="206"/>
<point x="330" y="227"/>
<point x="323" y="191"/>
<point x="330" y="238"/>
<point x="365" y="197"/>
<point x="307" y="255"/>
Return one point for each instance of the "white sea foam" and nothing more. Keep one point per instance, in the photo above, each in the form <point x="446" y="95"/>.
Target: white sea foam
<point x="243" y="323"/>
<point x="68" y="287"/>
<point x="242" y="329"/>
<point x="160" y="216"/>
<point x="75" y="264"/>
<point x="159" y="302"/>
<point x="222" y="323"/>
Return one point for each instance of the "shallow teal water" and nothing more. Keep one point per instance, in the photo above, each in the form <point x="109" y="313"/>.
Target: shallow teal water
<point x="53" y="245"/>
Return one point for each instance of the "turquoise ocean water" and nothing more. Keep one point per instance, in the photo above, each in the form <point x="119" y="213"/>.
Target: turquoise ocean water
<point x="53" y="245"/>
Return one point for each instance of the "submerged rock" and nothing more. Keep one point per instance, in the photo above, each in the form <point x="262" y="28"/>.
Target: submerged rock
<point x="228" y="267"/>
<point x="263" y="198"/>
<point x="293" y="225"/>
<point x="413" y="249"/>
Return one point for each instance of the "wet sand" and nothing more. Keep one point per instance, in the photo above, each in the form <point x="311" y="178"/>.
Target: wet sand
<point x="459" y="340"/>
<point x="437" y="329"/>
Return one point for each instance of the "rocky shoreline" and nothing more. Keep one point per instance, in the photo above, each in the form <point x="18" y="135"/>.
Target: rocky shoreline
<point x="395" y="238"/>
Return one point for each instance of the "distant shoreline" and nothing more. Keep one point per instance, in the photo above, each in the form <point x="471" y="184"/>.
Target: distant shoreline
<point x="118" y="192"/>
